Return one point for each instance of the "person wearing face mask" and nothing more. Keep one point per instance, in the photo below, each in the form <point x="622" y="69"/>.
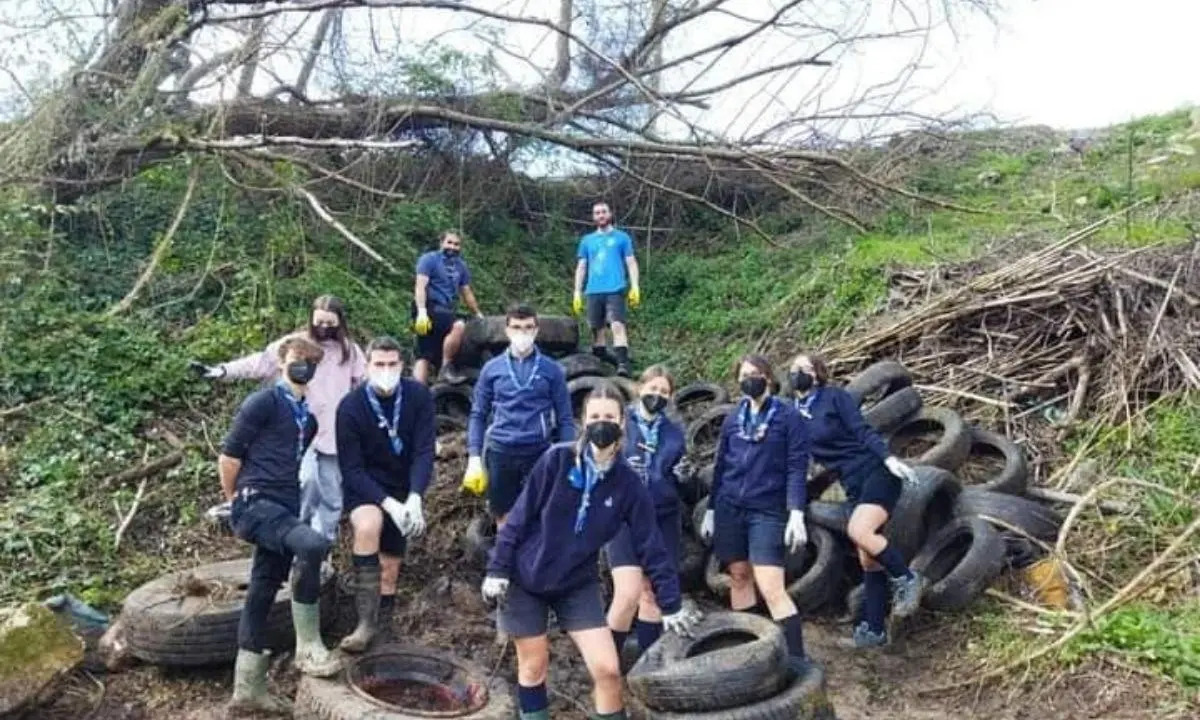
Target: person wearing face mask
<point x="756" y="507"/>
<point x="441" y="276"/>
<point x="654" y="447"/>
<point x="525" y="396"/>
<point x="386" y="434"/>
<point x="578" y="498"/>
<point x="259" y="468"/>
<point x="341" y="367"/>
<point x="872" y="477"/>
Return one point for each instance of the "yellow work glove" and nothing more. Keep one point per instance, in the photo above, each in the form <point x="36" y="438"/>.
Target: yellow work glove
<point x="577" y="304"/>
<point x="475" y="479"/>
<point x="635" y="297"/>
<point x="423" y="324"/>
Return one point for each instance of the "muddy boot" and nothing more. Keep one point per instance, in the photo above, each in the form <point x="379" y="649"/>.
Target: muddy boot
<point x="250" y="687"/>
<point x="312" y="657"/>
<point x="387" y="607"/>
<point x="366" y="604"/>
<point x="536" y="715"/>
<point x="906" y="594"/>
<point x="622" y="354"/>
<point x="863" y="638"/>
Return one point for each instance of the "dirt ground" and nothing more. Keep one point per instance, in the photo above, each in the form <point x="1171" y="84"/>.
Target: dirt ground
<point x="439" y="606"/>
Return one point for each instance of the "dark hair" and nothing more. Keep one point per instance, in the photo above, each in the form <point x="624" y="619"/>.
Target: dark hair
<point x="519" y="311"/>
<point x="449" y="231"/>
<point x="305" y="348"/>
<point x="658" y="371"/>
<point x="385" y="343"/>
<point x="820" y="367"/>
<point x="762" y="364"/>
<point x="604" y="390"/>
<point x="333" y="304"/>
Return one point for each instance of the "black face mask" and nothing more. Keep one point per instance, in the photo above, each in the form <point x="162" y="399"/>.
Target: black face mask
<point x="753" y="387"/>
<point x="801" y="381"/>
<point x="654" y="403"/>
<point x="324" y="332"/>
<point x="603" y="433"/>
<point x="301" y="371"/>
<point x="450" y="253"/>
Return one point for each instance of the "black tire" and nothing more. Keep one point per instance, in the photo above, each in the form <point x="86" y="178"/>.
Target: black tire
<point x="814" y="574"/>
<point x="583" y="365"/>
<point x="802" y="698"/>
<point x="959" y="562"/>
<point x="677" y="673"/>
<point x="452" y="400"/>
<point x="334" y="699"/>
<point x="703" y="433"/>
<point x="892" y="412"/>
<point x="1031" y="516"/>
<point x="1011" y="478"/>
<point x="688" y="487"/>
<point x="580" y="387"/>
<point x="922" y="510"/>
<point x="879" y="381"/>
<point x="822" y="480"/>
<point x="691" y="564"/>
<point x="691" y="401"/>
<point x="557" y="335"/>
<point x="832" y="516"/>
<point x="480" y="538"/>
<point x="698" y="511"/>
<point x="450" y="424"/>
<point x="166" y="625"/>
<point x="716" y="579"/>
<point x="953" y="444"/>
<point x="704" y="478"/>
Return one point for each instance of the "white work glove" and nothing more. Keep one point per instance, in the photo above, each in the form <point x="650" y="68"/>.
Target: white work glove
<point x="796" y="535"/>
<point x="682" y="622"/>
<point x="208" y="372"/>
<point x="494" y="589"/>
<point x="413" y="515"/>
<point x="706" y="526"/>
<point x="901" y="470"/>
<point x="395" y="510"/>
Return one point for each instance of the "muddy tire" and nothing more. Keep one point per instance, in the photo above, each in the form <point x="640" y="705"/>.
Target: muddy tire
<point x="705" y="431"/>
<point x="803" y="697"/>
<point x="557" y="334"/>
<point x="959" y="563"/>
<point x="879" y="381"/>
<point x="691" y="401"/>
<point x="480" y="538"/>
<point x="922" y="510"/>
<point x="953" y="444"/>
<point x="166" y="627"/>
<point x="832" y="516"/>
<point x="334" y="699"/>
<point x="676" y="674"/>
<point x="452" y="400"/>
<point x="583" y="365"/>
<point x="1031" y="516"/>
<point x="691" y="564"/>
<point x="892" y="412"/>
<point x="814" y="574"/>
<point x="1011" y="478"/>
<point x="447" y="424"/>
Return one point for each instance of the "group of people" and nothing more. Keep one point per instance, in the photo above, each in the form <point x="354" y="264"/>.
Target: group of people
<point x="341" y="430"/>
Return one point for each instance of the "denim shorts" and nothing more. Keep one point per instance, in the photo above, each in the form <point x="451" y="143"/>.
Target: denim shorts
<point x="873" y="484"/>
<point x="622" y="553"/>
<point x="506" y="471"/>
<point x="525" y="614"/>
<point x="744" y="534"/>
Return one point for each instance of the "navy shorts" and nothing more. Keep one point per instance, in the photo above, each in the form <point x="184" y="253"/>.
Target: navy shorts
<point x="873" y="484"/>
<point x="429" y="345"/>
<point x="507" y="469"/>
<point x="605" y="308"/>
<point x="525" y="614"/>
<point x="621" y="552"/>
<point x="391" y="541"/>
<point x="744" y="534"/>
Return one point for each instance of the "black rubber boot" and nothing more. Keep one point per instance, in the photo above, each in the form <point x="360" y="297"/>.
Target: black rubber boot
<point x="366" y="603"/>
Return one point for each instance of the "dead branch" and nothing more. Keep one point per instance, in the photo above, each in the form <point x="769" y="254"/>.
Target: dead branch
<point x="325" y="215"/>
<point x="144" y="470"/>
<point x="133" y="508"/>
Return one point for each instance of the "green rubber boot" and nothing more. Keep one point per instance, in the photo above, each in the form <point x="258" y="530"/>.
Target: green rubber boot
<point x="250" y="686"/>
<point x="312" y="657"/>
<point x="366" y="603"/>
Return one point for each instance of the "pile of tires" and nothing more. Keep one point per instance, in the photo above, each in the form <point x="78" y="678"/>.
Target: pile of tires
<point x="734" y="666"/>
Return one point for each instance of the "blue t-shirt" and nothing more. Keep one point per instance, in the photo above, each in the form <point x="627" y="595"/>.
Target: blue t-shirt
<point x="605" y="254"/>
<point x="446" y="276"/>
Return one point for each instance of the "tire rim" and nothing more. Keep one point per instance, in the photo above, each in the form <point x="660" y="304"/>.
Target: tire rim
<point x="442" y="681"/>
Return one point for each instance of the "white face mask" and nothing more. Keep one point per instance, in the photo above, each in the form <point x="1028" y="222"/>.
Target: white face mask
<point x="385" y="380"/>
<point x="522" y="342"/>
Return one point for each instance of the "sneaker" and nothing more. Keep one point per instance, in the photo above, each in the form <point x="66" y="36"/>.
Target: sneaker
<point x="865" y="637"/>
<point x="906" y="594"/>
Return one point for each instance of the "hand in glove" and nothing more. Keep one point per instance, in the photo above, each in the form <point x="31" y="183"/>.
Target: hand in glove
<point x="796" y="535"/>
<point x="208" y="372"/>
<point x="901" y="470"/>
<point x="682" y="622"/>
<point x="395" y="510"/>
<point x="413" y="515"/>
<point x="635" y="297"/>
<point x="577" y="304"/>
<point x="494" y="589"/>
<point x="706" y="526"/>
<point x="423" y="324"/>
<point x="475" y="479"/>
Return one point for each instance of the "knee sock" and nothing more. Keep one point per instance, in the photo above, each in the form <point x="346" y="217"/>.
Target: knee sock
<point x="387" y="603"/>
<point x="874" y="609"/>
<point x="793" y="630"/>
<point x="533" y="699"/>
<point x="648" y="633"/>
<point x="893" y="562"/>
<point x="618" y="715"/>
<point x="619" y="638"/>
<point x="365" y="560"/>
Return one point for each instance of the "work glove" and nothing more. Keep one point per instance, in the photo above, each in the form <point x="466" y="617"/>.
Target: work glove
<point x="901" y="470"/>
<point x="635" y="297"/>
<point x="682" y="622"/>
<point x="577" y="304"/>
<point x="395" y="510"/>
<point x="795" y="536"/>
<point x="413" y="515"/>
<point x="208" y="372"/>
<point x="423" y="325"/>
<point x="494" y="589"/>
<point x="475" y="480"/>
<point x="706" y="526"/>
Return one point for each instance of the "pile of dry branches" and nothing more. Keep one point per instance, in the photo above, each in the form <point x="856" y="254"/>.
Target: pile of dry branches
<point x="1043" y="341"/>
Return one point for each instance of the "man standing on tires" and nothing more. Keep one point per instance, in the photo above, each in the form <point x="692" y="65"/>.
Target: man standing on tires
<point x="386" y="448"/>
<point x="441" y="277"/>
<point x="259" y="467"/>
<point x="526" y="396"/>
<point x="606" y="270"/>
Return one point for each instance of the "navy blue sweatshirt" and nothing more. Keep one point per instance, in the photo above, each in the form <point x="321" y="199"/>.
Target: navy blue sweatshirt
<point x="371" y="470"/>
<point x="530" y="402"/>
<point x="659" y="474"/>
<point x="767" y="475"/>
<point x="840" y="438"/>
<point x="268" y="441"/>
<point x="539" y="549"/>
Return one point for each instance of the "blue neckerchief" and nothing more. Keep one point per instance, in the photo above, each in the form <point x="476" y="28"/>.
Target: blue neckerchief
<point x="805" y="405"/>
<point x="584" y="477"/>
<point x="299" y="414"/>
<point x="648" y="431"/>
<point x="377" y="408"/>
<point x="533" y="374"/>
<point x="750" y="427"/>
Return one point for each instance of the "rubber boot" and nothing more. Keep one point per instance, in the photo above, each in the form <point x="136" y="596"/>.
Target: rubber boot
<point x="312" y="657"/>
<point x="250" y="686"/>
<point x="366" y="603"/>
<point x="536" y="715"/>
